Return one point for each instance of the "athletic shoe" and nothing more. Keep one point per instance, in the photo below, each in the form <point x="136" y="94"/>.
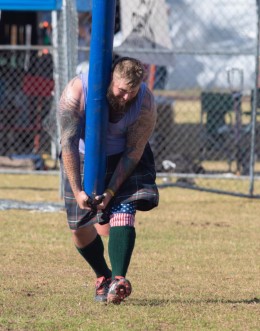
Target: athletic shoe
<point x="102" y="287"/>
<point x="119" y="289"/>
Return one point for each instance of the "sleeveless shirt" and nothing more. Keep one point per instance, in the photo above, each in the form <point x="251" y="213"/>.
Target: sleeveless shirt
<point x="116" y="132"/>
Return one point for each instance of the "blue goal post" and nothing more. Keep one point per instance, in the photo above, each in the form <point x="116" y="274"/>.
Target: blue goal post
<point x="100" y="63"/>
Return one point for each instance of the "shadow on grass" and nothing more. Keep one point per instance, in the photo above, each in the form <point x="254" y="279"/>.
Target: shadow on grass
<point x="165" y="302"/>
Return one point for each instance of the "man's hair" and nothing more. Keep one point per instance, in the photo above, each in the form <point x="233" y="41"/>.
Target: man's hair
<point x="130" y="69"/>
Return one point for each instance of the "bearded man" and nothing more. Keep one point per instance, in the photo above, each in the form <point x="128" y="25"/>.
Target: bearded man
<point x="130" y="174"/>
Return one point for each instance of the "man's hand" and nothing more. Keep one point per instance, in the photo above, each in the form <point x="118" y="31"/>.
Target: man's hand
<point x="93" y="203"/>
<point x="82" y="200"/>
<point x="107" y="196"/>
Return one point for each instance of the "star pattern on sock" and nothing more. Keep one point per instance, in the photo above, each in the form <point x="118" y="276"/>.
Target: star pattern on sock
<point x="127" y="208"/>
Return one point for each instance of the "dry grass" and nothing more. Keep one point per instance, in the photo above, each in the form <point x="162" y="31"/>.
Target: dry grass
<point x="29" y="188"/>
<point x="195" y="266"/>
<point x="189" y="111"/>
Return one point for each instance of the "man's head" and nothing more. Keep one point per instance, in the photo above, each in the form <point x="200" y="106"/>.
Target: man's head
<point x="127" y="76"/>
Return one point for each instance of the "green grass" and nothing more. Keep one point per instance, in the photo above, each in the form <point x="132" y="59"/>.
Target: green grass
<point x="195" y="266"/>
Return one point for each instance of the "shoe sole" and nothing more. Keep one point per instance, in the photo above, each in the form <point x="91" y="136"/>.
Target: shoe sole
<point x="120" y="291"/>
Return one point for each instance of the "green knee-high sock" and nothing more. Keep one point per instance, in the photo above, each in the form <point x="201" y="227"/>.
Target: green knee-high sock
<point x="120" y="247"/>
<point x="94" y="255"/>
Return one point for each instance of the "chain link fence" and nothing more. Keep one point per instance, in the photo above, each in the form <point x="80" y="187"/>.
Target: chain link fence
<point x="31" y="80"/>
<point x="202" y="64"/>
<point x="25" y="100"/>
<point x="214" y="132"/>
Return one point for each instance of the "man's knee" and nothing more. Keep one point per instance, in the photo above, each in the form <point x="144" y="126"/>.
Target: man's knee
<point x="84" y="236"/>
<point x="103" y="230"/>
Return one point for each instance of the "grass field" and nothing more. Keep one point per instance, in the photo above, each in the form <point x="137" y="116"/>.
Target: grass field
<point x="196" y="266"/>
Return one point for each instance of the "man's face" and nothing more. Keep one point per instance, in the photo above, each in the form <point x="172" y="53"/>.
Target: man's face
<point x="120" y="93"/>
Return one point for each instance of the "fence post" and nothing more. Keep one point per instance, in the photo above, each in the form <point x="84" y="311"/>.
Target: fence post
<point x="254" y="109"/>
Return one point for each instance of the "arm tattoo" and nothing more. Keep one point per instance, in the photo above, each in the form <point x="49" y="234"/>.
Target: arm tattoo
<point x="137" y="137"/>
<point x="71" y="123"/>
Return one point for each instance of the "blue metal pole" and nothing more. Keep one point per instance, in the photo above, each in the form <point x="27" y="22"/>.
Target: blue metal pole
<point x="101" y="49"/>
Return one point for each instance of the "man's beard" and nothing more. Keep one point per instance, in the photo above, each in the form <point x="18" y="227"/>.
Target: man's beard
<point x="115" y="103"/>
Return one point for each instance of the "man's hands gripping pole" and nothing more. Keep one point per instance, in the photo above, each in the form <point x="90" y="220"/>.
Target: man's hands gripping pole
<point x="100" y="202"/>
<point x="93" y="203"/>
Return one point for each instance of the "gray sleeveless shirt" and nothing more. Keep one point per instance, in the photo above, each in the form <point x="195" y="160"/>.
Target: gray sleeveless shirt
<point x="116" y="132"/>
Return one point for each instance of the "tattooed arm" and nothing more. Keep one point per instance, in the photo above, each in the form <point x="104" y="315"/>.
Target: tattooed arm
<point x="137" y="137"/>
<point x="71" y="116"/>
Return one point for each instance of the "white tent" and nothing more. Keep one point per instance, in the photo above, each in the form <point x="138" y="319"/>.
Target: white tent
<point x="210" y="37"/>
<point x="197" y="40"/>
<point x="145" y="32"/>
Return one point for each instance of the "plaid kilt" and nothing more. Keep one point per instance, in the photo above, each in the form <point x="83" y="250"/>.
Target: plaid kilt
<point x="139" y="188"/>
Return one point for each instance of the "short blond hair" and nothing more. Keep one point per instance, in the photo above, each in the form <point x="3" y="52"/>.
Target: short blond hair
<point x="130" y="69"/>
